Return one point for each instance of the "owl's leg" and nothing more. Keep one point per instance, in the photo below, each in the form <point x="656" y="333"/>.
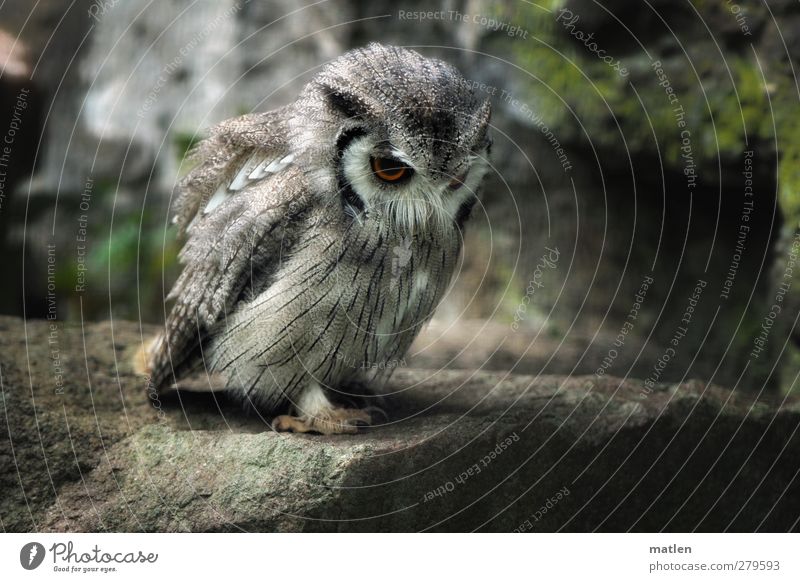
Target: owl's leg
<point x="315" y="413"/>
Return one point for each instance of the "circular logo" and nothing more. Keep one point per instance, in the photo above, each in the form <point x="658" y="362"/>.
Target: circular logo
<point x="31" y="555"/>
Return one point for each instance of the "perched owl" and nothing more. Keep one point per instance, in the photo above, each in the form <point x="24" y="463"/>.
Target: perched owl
<point x="321" y="236"/>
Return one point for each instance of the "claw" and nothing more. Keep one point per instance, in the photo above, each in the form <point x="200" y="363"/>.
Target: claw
<point x="376" y="410"/>
<point x="335" y="421"/>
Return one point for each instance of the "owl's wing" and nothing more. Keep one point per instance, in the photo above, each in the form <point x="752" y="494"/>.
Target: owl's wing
<point x="220" y="157"/>
<point x="232" y="207"/>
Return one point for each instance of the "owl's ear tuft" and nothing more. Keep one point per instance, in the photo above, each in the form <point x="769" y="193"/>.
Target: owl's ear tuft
<point x="346" y="103"/>
<point x="482" y="120"/>
<point x="484" y="114"/>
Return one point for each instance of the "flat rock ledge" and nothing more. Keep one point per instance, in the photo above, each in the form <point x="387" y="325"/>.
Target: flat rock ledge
<point x="83" y="449"/>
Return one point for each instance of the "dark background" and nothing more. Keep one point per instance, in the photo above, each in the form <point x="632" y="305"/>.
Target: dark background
<point x="115" y="92"/>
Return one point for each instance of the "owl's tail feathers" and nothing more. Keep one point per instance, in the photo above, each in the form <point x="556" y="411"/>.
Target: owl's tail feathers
<point x="141" y="359"/>
<point x="146" y="362"/>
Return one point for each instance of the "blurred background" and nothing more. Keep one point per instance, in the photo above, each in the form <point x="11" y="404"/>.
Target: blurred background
<point x="640" y="219"/>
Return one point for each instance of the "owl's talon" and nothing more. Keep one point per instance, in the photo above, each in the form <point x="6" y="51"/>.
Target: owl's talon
<point x="335" y="421"/>
<point x="286" y="423"/>
<point x="372" y="410"/>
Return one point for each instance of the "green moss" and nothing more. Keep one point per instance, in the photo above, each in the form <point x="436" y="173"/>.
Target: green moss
<point x="126" y="264"/>
<point x="721" y="106"/>
<point x="728" y="107"/>
<point x="789" y="164"/>
<point x="555" y="79"/>
<point x="184" y="142"/>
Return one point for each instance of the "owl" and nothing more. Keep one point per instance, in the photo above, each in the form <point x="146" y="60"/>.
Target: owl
<point x="320" y="237"/>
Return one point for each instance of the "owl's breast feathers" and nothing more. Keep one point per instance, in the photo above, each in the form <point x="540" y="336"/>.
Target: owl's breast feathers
<point x="342" y="305"/>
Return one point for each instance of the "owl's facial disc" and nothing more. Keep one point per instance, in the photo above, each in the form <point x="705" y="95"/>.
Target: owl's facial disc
<point x="380" y="181"/>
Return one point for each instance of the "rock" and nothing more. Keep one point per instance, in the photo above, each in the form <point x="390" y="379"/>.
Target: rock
<point x="462" y="450"/>
<point x="491" y="345"/>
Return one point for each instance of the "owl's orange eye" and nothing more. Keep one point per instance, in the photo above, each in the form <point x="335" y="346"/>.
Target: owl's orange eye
<point x="390" y="169"/>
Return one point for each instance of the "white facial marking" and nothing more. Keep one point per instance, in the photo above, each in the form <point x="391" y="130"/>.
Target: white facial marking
<point x="417" y="204"/>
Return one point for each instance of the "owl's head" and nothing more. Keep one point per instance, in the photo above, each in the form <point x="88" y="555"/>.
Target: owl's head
<point x="399" y="137"/>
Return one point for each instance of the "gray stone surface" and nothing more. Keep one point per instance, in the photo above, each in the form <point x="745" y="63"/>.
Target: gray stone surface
<point x="462" y="450"/>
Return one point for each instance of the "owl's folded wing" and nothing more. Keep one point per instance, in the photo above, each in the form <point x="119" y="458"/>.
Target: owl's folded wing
<point x="234" y="207"/>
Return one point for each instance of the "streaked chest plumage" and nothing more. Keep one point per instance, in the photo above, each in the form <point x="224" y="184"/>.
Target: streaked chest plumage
<point x="339" y="308"/>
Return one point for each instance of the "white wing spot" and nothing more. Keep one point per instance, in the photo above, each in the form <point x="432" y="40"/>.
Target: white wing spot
<point x="260" y="171"/>
<point x="255" y="168"/>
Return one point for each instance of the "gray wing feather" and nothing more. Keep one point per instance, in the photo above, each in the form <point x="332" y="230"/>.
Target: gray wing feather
<point x="220" y="155"/>
<point x="242" y="232"/>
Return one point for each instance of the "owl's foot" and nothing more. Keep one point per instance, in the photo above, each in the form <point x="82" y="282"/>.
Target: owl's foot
<point x="329" y="421"/>
<point x="314" y="412"/>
